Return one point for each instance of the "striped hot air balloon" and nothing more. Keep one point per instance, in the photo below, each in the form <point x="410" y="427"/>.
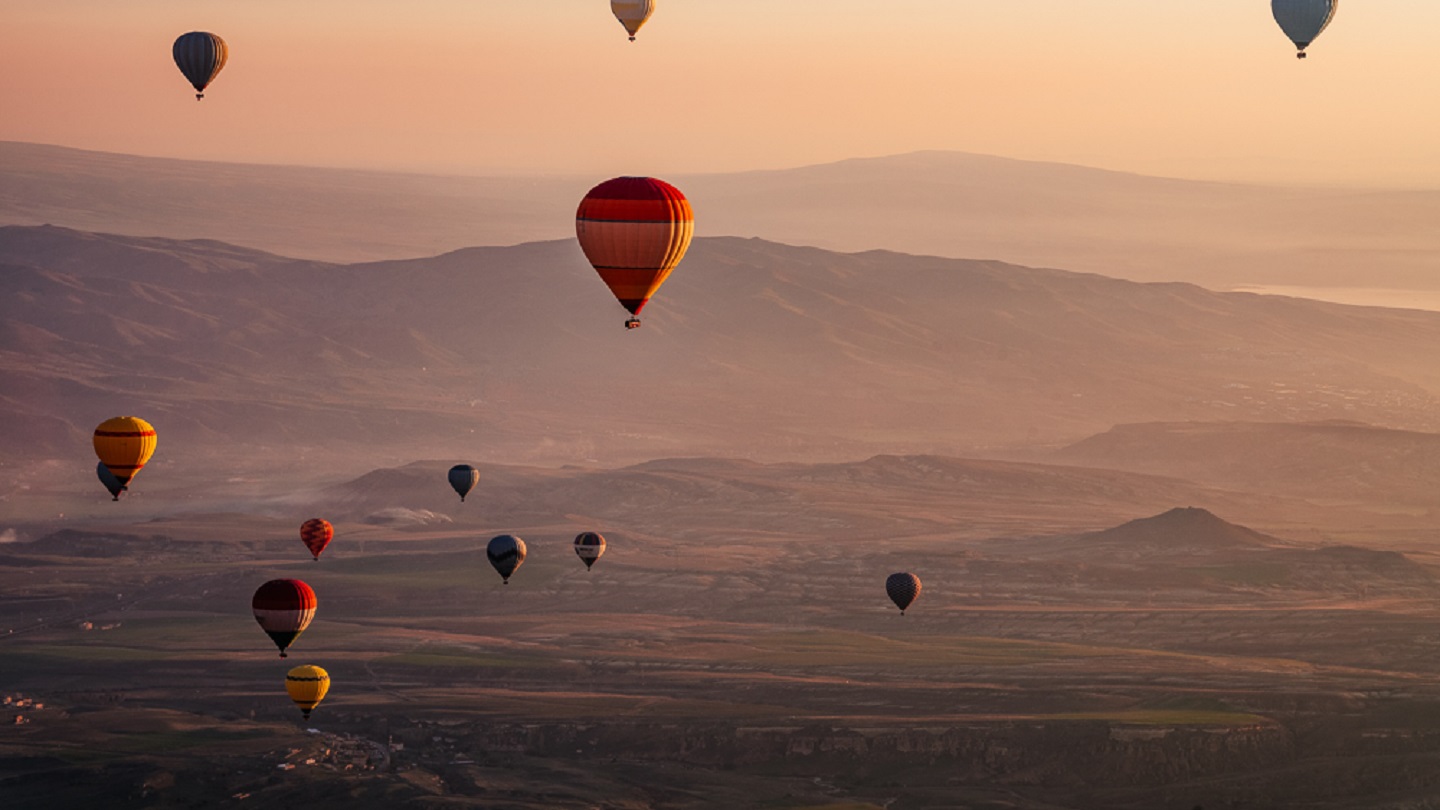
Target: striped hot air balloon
<point x="632" y="14"/>
<point x="200" y="55"/>
<point x="902" y="589"/>
<point x="307" y="686"/>
<point x="463" y="478"/>
<point x="316" y="534"/>
<point x="634" y="230"/>
<point x="589" y="546"/>
<point x="506" y="553"/>
<point x="1303" y="20"/>
<point x="284" y="608"/>
<point x="124" y="444"/>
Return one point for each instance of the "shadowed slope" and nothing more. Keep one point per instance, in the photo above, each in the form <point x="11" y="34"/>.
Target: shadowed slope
<point x="753" y="349"/>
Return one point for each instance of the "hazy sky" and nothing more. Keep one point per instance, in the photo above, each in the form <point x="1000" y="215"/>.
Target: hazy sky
<point x="1204" y="88"/>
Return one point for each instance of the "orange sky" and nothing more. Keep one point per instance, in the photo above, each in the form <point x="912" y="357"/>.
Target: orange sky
<point x="1198" y="89"/>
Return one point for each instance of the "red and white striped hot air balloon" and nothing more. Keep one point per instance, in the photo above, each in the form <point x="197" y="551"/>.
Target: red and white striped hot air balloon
<point x="284" y="608"/>
<point x="316" y="534"/>
<point x="634" y="230"/>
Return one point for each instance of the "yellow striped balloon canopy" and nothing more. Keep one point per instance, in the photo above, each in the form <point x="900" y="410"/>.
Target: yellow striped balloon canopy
<point x="307" y="686"/>
<point x="124" y="444"/>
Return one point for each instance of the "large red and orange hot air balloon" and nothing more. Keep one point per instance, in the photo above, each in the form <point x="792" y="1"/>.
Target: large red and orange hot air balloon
<point x="284" y="608"/>
<point x="124" y="444"/>
<point x="634" y="230"/>
<point x="316" y="534"/>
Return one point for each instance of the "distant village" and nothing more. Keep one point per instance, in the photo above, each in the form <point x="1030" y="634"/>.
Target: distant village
<point x="23" y="708"/>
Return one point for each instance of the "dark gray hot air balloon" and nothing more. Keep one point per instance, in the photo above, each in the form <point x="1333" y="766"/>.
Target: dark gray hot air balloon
<point x="200" y="56"/>
<point x="506" y="552"/>
<point x="109" y="480"/>
<point x="463" y="478"/>
<point x="589" y="546"/>
<point x="1303" y="20"/>
<point x="902" y="588"/>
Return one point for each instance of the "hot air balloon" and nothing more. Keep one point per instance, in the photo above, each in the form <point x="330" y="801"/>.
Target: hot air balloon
<point x="463" y="478"/>
<point x="124" y="444"/>
<point x="903" y="589"/>
<point x="307" y="686"/>
<point x="284" y="608"/>
<point x="506" y="553"/>
<point x="1303" y="20"/>
<point x="109" y="480"/>
<point x="634" y="230"/>
<point x="589" y="545"/>
<point x="316" y="534"/>
<point x="632" y="13"/>
<point x="200" y="56"/>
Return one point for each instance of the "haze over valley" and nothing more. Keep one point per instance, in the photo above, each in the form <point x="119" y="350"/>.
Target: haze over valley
<point x="1370" y="244"/>
<point x="719" y="406"/>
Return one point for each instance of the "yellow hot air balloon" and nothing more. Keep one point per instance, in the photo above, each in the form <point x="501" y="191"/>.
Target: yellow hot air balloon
<point x="124" y="444"/>
<point x="307" y="686"/>
<point x="632" y="14"/>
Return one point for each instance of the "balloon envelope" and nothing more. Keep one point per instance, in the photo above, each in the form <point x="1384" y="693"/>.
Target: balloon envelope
<point x="316" y="534"/>
<point x="284" y="608"/>
<point x="463" y="478"/>
<point x="109" y="480"/>
<point x="1303" y="20"/>
<point x="506" y="553"/>
<point x="902" y="589"/>
<point x="307" y="686"/>
<point x="632" y="14"/>
<point x="634" y="231"/>
<point x="124" y="444"/>
<point x="589" y="546"/>
<point x="200" y="55"/>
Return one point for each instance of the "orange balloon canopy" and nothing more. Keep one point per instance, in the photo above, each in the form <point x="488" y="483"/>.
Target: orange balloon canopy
<point x="124" y="444"/>
<point x="316" y="534"/>
<point x="634" y="230"/>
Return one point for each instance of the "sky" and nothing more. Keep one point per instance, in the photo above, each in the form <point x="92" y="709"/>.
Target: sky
<point x="1188" y="89"/>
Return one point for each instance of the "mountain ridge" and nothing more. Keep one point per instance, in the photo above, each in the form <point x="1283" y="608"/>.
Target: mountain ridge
<point x="942" y="203"/>
<point x="753" y="349"/>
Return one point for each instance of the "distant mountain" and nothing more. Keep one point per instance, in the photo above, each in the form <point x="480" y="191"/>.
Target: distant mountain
<point x="1179" y="532"/>
<point x="1335" y="460"/>
<point x="251" y="363"/>
<point x="941" y="203"/>
<point x="1191" y="549"/>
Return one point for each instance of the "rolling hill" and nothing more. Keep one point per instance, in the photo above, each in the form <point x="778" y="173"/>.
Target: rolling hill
<point x="1336" y="461"/>
<point x="251" y="362"/>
